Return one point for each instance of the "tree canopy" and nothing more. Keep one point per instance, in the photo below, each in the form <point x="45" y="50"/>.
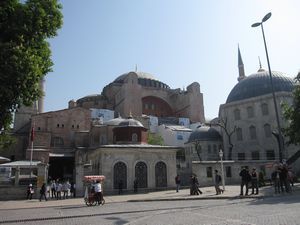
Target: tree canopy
<point x="292" y="115"/>
<point x="155" y="139"/>
<point x="24" y="51"/>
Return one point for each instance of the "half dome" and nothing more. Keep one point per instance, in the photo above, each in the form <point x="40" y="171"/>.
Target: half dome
<point x="205" y="134"/>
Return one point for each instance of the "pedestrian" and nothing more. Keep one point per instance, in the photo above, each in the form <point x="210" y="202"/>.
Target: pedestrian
<point x="275" y="177"/>
<point x="73" y="190"/>
<point x="58" y="190"/>
<point x="291" y="177"/>
<point x="120" y="184"/>
<point x="283" y="175"/>
<point x="177" y="181"/>
<point x="53" y="189"/>
<point x="98" y="192"/>
<point x="43" y="191"/>
<point x="218" y="180"/>
<point x="135" y="186"/>
<point x="245" y="179"/>
<point x="195" y="186"/>
<point x="30" y="192"/>
<point x="254" y="181"/>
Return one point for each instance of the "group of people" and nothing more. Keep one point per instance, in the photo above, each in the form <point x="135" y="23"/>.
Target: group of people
<point x="56" y="189"/>
<point x="249" y="178"/>
<point x="282" y="179"/>
<point x="61" y="190"/>
<point x="97" y="190"/>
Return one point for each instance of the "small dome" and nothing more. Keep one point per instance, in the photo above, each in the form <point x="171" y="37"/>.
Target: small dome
<point x="114" y="122"/>
<point x="130" y="123"/>
<point x="205" y="134"/>
<point x="258" y="84"/>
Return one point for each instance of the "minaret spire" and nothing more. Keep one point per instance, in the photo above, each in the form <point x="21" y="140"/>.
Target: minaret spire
<point x="260" y="67"/>
<point x="240" y="65"/>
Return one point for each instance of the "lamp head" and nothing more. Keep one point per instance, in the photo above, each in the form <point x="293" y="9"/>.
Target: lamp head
<point x="255" y="24"/>
<point x="266" y="17"/>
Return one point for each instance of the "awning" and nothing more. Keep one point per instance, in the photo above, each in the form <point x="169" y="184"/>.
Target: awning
<point x="65" y="154"/>
<point x="21" y="164"/>
<point x="3" y="159"/>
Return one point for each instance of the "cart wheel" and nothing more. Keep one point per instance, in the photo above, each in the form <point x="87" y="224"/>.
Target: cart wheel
<point x="88" y="201"/>
<point x="103" y="201"/>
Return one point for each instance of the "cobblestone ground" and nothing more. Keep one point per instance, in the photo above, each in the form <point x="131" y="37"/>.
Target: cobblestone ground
<point x="270" y="211"/>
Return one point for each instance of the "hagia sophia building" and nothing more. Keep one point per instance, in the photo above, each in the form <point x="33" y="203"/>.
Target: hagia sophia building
<point x="107" y="133"/>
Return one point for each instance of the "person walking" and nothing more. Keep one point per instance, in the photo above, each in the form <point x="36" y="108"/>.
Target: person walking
<point x="218" y="180"/>
<point x="245" y="178"/>
<point x="98" y="192"/>
<point x="43" y="191"/>
<point x="254" y="181"/>
<point x="53" y="189"/>
<point x="30" y="192"/>
<point x="275" y="176"/>
<point x="177" y="181"/>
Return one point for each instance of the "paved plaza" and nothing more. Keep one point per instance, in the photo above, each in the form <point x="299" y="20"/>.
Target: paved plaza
<point x="163" y="207"/>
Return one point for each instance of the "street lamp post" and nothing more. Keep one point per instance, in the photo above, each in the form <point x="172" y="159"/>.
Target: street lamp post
<point x="222" y="170"/>
<point x="280" y="139"/>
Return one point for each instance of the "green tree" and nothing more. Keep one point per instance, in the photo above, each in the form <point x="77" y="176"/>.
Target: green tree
<point x="155" y="139"/>
<point x="24" y="52"/>
<point x="292" y="115"/>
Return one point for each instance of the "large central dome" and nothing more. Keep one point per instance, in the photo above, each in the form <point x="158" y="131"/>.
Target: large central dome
<point x="259" y="84"/>
<point x="141" y="75"/>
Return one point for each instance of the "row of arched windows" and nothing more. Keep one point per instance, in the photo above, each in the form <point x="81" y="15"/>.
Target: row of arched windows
<point x="141" y="175"/>
<point x="250" y="112"/>
<point x="252" y="132"/>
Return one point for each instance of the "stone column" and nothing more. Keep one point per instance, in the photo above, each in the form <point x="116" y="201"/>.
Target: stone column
<point x="17" y="176"/>
<point x="42" y="174"/>
<point x="78" y="179"/>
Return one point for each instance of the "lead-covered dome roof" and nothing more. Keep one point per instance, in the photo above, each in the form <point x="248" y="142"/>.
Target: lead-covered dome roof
<point x="258" y="84"/>
<point x="205" y="133"/>
<point x="144" y="79"/>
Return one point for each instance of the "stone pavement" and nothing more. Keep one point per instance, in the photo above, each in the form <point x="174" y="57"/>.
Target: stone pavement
<point x="231" y="192"/>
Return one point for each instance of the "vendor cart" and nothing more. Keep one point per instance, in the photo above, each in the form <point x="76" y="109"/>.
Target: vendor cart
<point x="90" y="198"/>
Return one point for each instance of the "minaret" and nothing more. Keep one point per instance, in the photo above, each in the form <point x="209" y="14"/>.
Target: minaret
<point x="241" y="66"/>
<point x="41" y="98"/>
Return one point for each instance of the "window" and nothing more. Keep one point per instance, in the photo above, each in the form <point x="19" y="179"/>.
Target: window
<point x="62" y="125"/>
<point x="264" y="109"/>
<point x="146" y="106"/>
<point x="255" y="155"/>
<point x="252" y="131"/>
<point x="241" y="156"/>
<point x="39" y="128"/>
<point x="270" y="155"/>
<point x="77" y="126"/>
<point x="228" y="171"/>
<point x="57" y="142"/>
<point x="57" y="125"/>
<point x="239" y="134"/>
<point x="152" y="106"/>
<point x="237" y="114"/>
<point x="215" y="149"/>
<point x="209" y="149"/>
<point x="134" y="137"/>
<point x="267" y="129"/>
<point x="208" y="171"/>
<point x="179" y="137"/>
<point x="250" y="112"/>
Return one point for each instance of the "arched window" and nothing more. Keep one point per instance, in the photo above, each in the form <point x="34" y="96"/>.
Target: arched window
<point x="237" y="114"/>
<point x="161" y="174"/>
<point x="264" y="109"/>
<point x="57" y="142"/>
<point x="250" y="112"/>
<point x="141" y="175"/>
<point x="239" y="134"/>
<point x="267" y="129"/>
<point x="252" y="131"/>
<point x="134" y="137"/>
<point x="120" y="175"/>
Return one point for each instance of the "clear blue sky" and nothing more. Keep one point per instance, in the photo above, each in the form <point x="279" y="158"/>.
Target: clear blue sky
<point x="177" y="41"/>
